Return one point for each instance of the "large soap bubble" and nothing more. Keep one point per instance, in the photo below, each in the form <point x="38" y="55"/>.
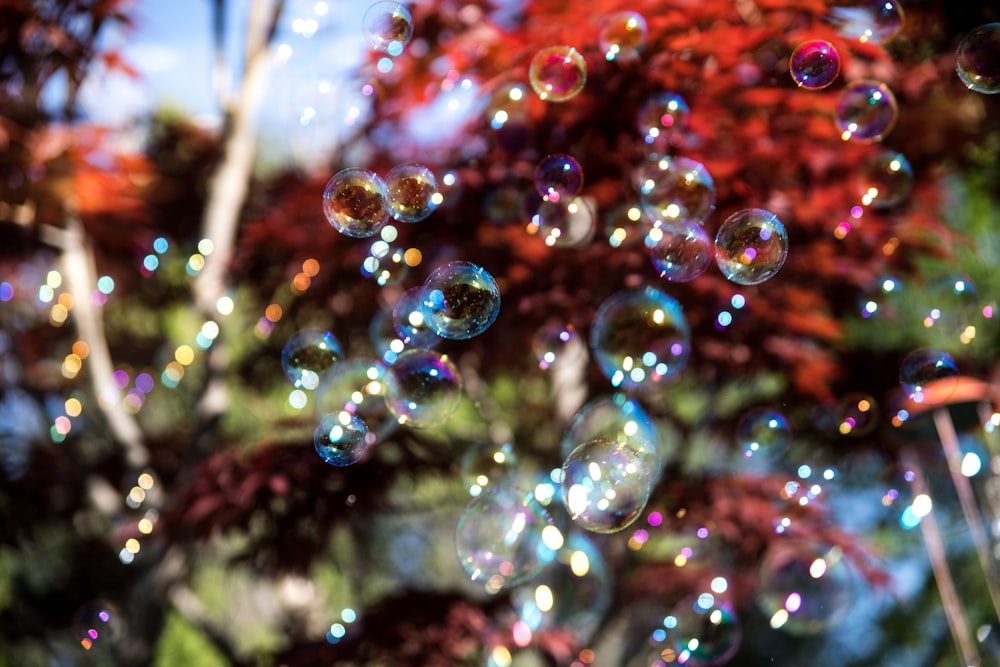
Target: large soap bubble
<point x="308" y="356"/>
<point x="866" y="111"/>
<point x="423" y="388"/>
<point x="461" y="300"/>
<point x="751" y="246"/>
<point x="558" y="73"/>
<point x="978" y="59"/>
<point x="355" y="202"/>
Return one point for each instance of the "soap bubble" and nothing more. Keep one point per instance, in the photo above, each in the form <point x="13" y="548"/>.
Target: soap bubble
<point x="410" y="322"/>
<point x="98" y="625"/>
<point x="413" y="192"/>
<point x="355" y="202"/>
<point x="422" y="388"/>
<point x="388" y="27"/>
<point x="556" y="344"/>
<point x="662" y="116"/>
<point x="704" y="630"/>
<point x="557" y="73"/>
<point x="928" y="376"/>
<point x="308" y="355"/>
<point x="804" y="587"/>
<point x="885" y="179"/>
<point x="681" y="249"/>
<point x="874" y="21"/>
<point x="751" y="246"/>
<point x="357" y="386"/>
<point x="619" y="419"/>
<point x="503" y="538"/>
<point x="382" y="333"/>
<point x="341" y="438"/>
<point x="488" y="465"/>
<point x="979" y="59"/>
<point x="857" y="415"/>
<point x="814" y="64"/>
<point x="866" y="111"/>
<point x="626" y="225"/>
<point x="949" y="307"/>
<point x="460" y="300"/>
<point x="558" y="176"/>
<point x="763" y="434"/>
<point x="563" y="224"/>
<point x="606" y="484"/>
<point x="640" y="338"/>
<point x="623" y="36"/>
<point x="671" y="188"/>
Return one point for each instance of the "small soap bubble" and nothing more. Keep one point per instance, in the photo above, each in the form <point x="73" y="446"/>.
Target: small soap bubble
<point x="563" y="224"/>
<point x="662" y="117"/>
<point x="978" y="63"/>
<point x="751" y="246"/>
<point x="705" y="630"/>
<point x="309" y="355"/>
<point x="409" y="321"/>
<point x="681" y="249"/>
<point x="857" y="415"/>
<point x="388" y="27"/>
<point x="640" y="338"/>
<point x="626" y="225"/>
<point x="413" y="192"/>
<point x="500" y="538"/>
<point x="558" y="176"/>
<point x="357" y="386"/>
<point x="615" y="418"/>
<point x="885" y="179"/>
<point x="866" y="111"/>
<point x="98" y="625"/>
<point x="341" y="438"/>
<point x="805" y="588"/>
<point x="460" y="300"/>
<point x="488" y="465"/>
<point x="928" y="376"/>
<point x="558" y="73"/>
<point x="355" y="202"/>
<point x="873" y="21"/>
<point x="763" y="434"/>
<point x="556" y="344"/>
<point x="623" y="36"/>
<point x="422" y="388"/>
<point x="606" y="484"/>
<point x="814" y="64"/>
<point x="671" y="188"/>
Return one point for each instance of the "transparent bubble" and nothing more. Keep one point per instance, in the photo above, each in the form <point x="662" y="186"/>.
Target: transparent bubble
<point x="558" y="176"/>
<point x="662" y="117"/>
<point x="872" y="21"/>
<point x="751" y="246"/>
<point x="98" y="625"/>
<point x="928" y="376"/>
<point x="460" y="300"/>
<point x="388" y="27"/>
<point x="409" y="321"/>
<point x="640" y="338"/>
<point x="488" y="465"/>
<point x="556" y="344"/>
<point x="386" y="261"/>
<point x="565" y="223"/>
<point x="502" y="538"/>
<point x="422" y="388"/>
<point x="671" y="188"/>
<point x="857" y="415"/>
<point x="681" y="249"/>
<point x="357" y="386"/>
<point x="763" y="433"/>
<point x="804" y="587"/>
<point x="558" y="73"/>
<point x="309" y="355"/>
<point x="341" y="438"/>
<point x="615" y="418"/>
<point x="626" y="225"/>
<point x="866" y="111"/>
<point x="704" y="630"/>
<point x="978" y="63"/>
<point x="623" y="36"/>
<point x="606" y="484"/>
<point x="413" y="192"/>
<point x="355" y="202"/>
<point x="814" y="64"/>
<point x="885" y="179"/>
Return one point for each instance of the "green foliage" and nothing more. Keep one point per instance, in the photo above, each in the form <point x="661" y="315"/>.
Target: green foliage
<point x="184" y="644"/>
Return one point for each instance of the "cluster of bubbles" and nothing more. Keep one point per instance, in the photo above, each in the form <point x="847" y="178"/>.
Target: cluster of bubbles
<point x="358" y="202"/>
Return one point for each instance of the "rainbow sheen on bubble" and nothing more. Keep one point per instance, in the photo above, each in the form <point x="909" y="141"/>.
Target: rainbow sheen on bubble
<point x="422" y="388"/>
<point x="342" y="439"/>
<point x="704" y="630"/>
<point x="661" y="118"/>
<point x="355" y="202"/>
<point x="928" y="376"/>
<point x="606" y="484"/>
<point x="622" y="36"/>
<point x="413" y="192"/>
<point x="460" y="300"/>
<point x="763" y="434"/>
<point x="564" y="223"/>
<point x="672" y="188"/>
<point x="884" y="179"/>
<point x="98" y="625"/>
<point x="409" y="320"/>
<point x="681" y="249"/>
<point x="557" y="73"/>
<point x="357" y="385"/>
<point x="805" y="587"/>
<point x="640" y="338"/>
<point x="558" y="176"/>
<point x="308" y="356"/>
<point x="388" y="27"/>
<point x="814" y="64"/>
<point x="978" y="59"/>
<point x="487" y="464"/>
<point x="868" y="21"/>
<point x="866" y="111"/>
<point x="556" y="344"/>
<point x="751" y="246"/>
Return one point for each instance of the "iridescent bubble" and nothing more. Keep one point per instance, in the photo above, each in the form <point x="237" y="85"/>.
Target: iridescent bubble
<point x="857" y="415"/>
<point x="557" y="73"/>
<point x="763" y="433"/>
<point x="805" y="587"/>
<point x="341" y="438"/>
<point x="355" y="202"/>
<point x="409" y="321"/>
<point x="751" y="246"/>
<point x="422" y="388"/>
<point x="704" y="630"/>
<point x="98" y="625"/>
<point x="626" y="225"/>
<point x="681" y="249"/>
<point x="309" y="355"/>
<point x="615" y="418"/>
<point x="640" y="338"/>
<point x="460" y="300"/>
<point x="978" y="63"/>
<point x="565" y="223"/>
<point x="671" y="188"/>
<point x="606" y="484"/>
<point x="413" y="192"/>
<point x="623" y="36"/>
<point x="872" y="21"/>
<point x="556" y="344"/>
<point x="488" y="465"/>
<point x="814" y="64"/>
<point x="885" y="179"/>
<point x="388" y="27"/>
<point x="928" y="376"/>
<point x="357" y="386"/>
<point x="504" y="537"/>
<point x="866" y="111"/>
<point x="558" y="176"/>
<point x="663" y="116"/>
